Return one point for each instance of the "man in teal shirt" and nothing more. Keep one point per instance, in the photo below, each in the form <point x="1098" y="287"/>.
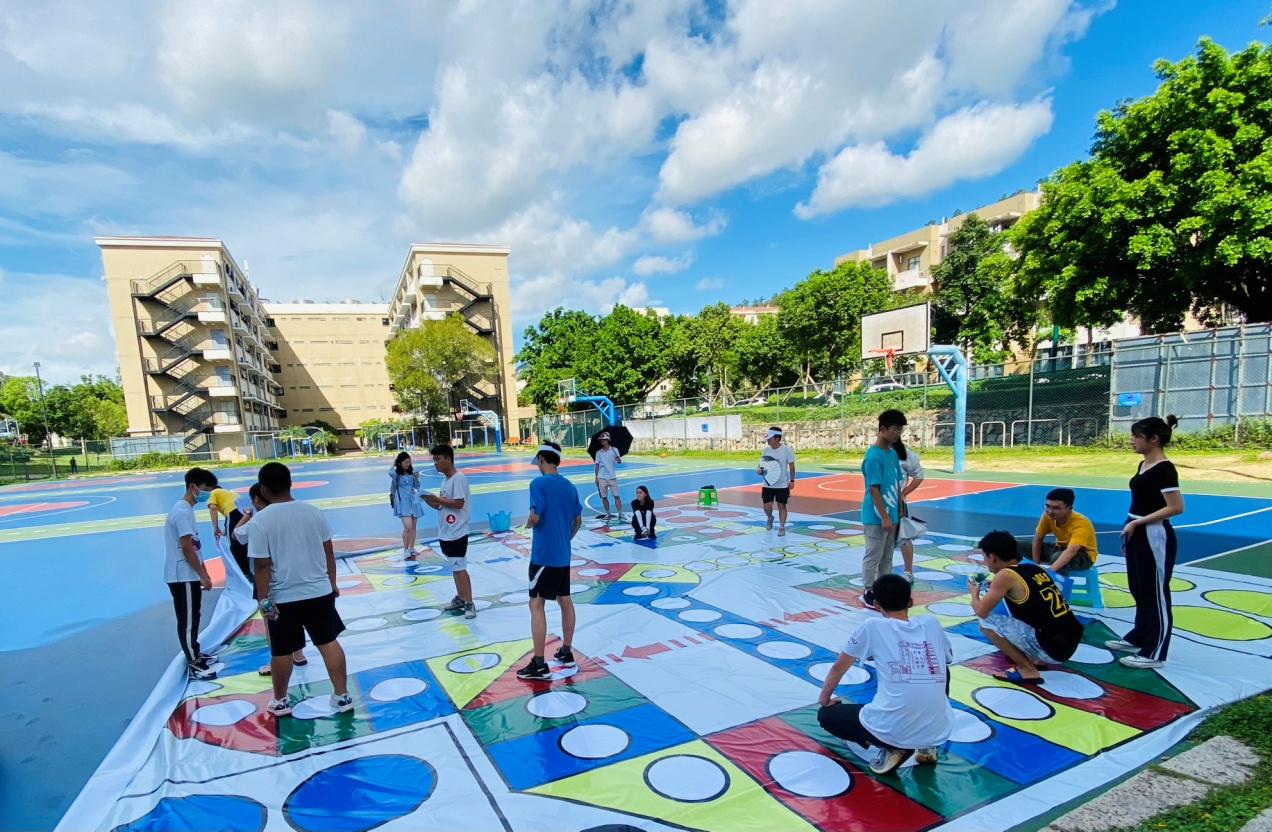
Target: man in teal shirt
<point x="880" y="514"/>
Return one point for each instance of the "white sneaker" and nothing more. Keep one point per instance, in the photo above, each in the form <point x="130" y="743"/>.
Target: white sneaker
<point x="768" y="525"/>
<point x="889" y="760"/>
<point x="1121" y="646"/>
<point x="342" y="703"/>
<point x="1143" y="662"/>
<point x="470" y="610"/>
<point x="909" y="576"/>
<point x="279" y="707"/>
<point x="621" y="518"/>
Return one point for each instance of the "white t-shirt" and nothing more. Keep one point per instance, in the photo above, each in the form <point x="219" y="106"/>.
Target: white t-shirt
<point x="291" y="535"/>
<point x="911" y="467"/>
<point x="452" y="523"/>
<point x="783" y="455"/>
<point x="180" y="523"/>
<point x="911" y="658"/>
<point x="243" y="533"/>
<point x="607" y="460"/>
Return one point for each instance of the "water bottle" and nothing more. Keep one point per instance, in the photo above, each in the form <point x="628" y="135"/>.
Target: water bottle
<point x="269" y="609"/>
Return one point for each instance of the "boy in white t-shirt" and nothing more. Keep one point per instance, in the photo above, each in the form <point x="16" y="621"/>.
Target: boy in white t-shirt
<point x="911" y="710"/>
<point x="184" y="572"/>
<point x="607" y="461"/>
<point x="453" y="509"/>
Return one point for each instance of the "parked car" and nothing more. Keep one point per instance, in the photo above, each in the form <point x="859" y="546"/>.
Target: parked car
<point x="885" y="387"/>
<point x="754" y="401"/>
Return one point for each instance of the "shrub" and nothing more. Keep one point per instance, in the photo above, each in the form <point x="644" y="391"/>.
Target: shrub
<point x="145" y="461"/>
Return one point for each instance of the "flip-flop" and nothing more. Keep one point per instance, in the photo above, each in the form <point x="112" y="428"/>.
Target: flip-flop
<point x="300" y="662"/>
<point x="1015" y="678"/>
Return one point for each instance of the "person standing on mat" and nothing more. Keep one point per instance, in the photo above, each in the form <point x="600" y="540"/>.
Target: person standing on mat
<point x="295" y="568"/>
<point x="1040" y="630"/>
<point x="453" y="509"/>
<point x="911" y="478"/>
<point x="607" y="462"/>
<point x="184" y="572"/>
<point x="881" y="503"/>
<point x="777" y="466"/>
<point x="643" y="518"/>
<point x="241" y="534"/>
<point x="1075" y="546"/>
<point x="1148" y="541"/>
<point x="555" y="517"/>
<point x="404" y="489"/>
<point x="910" y="713"/>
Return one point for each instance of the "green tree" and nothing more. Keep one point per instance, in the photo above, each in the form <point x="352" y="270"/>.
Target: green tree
<point x="975" y="305"/>
<point x="1173" y="211"/>
<point x="702" y="342"/>
<point x="554" y="350"/>
<point x="765" y="357"/>
<point x="820" y="317"/>
<point x="108" y="418"/>
<point x="429" y="364"/>
<point x="372" y="431"/>
<point x="19" y="397"/>
<point x="625" y="358"/>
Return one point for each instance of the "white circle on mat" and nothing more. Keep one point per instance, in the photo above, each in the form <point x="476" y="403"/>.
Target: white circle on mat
<point x="785" y="650"/>
<point x="953" y="547"/>
<point x="399" y="580"/>
<point x="482" y="605"/>
<point x="699" y="615"/>
<point x="1012" y="703"/>
<point x="1070" y="685"/>
<point x="800" y="550"/>
<point x="738" y="631"/>
<point x="315" y="707"/>
<point x="421" y="614"/>
<point x="472" y="663"/>
<point x="594" y="742"/>
<point x="932" y="576"/>
<point x="856" y="674"/>
<point x="347" y="584"/>
<point x="641" y="590"/>
<point x="670" y="603"/>
<point x="372" y="623"/>
<point x="808" y="774"/>
<point x="922" y="541"/>
<point x="577" y="562"/>
<point x="847" y="532"/>
<point x="832" y="544"/>
<point x="767" y="555"/>
<point x="684" y="537"/>
<point x="968" y="728"/>
<point x="964" y="568"/>
<point x="556" y="704"/>
<point x="711" y="530"/>
<point x="952" y="609"/>
<point x="593" y="572"/>
<point x="426" y="568"/>
<point x="515" y="598"/>
<point x="733" y="560"/>
<point x="687" y="778"/>
<point x="578" y="589"/>
<point x="1090" y="654"/>
<point x="821" y="527"/>
<point x="658" y="573"/>
<point x="223" y="713"/>
<point x="700" y="566"/>
<point x="199" y="687"/>
<point x="391" y="690"/>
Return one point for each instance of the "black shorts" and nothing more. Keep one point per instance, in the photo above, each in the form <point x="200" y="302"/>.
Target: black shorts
<point x="768" y="495"/>
<point x="455" y="548"/>
<point x="549" y="582"/>
<point x="316" y="616"/>
<point x="239" y="550"/>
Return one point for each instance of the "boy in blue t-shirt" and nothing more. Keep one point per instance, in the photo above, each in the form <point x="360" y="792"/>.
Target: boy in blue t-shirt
<point x="880" y="508"/>
<point x="555" y="517"/>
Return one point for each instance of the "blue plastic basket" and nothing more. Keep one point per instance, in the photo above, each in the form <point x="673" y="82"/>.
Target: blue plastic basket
<point x="500" y="521"/>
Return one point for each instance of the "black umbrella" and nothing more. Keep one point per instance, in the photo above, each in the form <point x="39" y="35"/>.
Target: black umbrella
<point x="620" y="440"/>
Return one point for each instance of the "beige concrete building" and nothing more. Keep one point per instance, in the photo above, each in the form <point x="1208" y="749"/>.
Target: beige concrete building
<point x="439" y="279"/>
<point x="192" y="344"/>
<point x="909" y="257"/>
<point x="329" y="362"/>
<point x="752" y="314"/>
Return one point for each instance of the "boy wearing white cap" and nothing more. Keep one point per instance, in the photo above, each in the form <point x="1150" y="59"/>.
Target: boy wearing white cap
<point x="607" y="462"/>
<point x="777" y="466"/>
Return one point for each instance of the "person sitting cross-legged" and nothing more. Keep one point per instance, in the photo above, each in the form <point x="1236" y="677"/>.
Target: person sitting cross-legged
<point x="911" y="713"/>
<point x="1041" y="630"/>
<point x="1075" y="546"/>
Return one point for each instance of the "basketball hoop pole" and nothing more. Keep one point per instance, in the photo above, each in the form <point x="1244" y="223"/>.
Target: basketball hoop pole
<point x="952" y="365"/>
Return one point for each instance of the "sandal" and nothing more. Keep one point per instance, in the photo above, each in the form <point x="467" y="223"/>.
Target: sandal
<point x="264" y="670"/>
<point x="300" y="662"/>
<point x="1015" y="678"/>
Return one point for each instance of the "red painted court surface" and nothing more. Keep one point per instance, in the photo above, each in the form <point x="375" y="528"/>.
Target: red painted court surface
<point x="35" y="508"/>
<point x="833" y="493"/>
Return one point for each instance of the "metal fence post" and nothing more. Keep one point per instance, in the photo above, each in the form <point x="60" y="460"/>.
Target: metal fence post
<point x="1236" y="422"/>
<point x="923" y="436"/>
<point x="1029" y="414"/>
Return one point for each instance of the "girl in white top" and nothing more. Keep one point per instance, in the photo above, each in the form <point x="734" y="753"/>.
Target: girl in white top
<point x="911" y="479"/>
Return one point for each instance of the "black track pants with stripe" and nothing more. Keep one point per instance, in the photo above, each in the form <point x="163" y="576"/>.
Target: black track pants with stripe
<point x="1150" y="560"/>
<point x="187" y="601"/>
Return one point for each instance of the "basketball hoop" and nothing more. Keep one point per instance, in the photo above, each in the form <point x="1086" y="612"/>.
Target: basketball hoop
<point x="459" y="416"/>
<point x="560" y="408"/>
<point x="888" y="355"/>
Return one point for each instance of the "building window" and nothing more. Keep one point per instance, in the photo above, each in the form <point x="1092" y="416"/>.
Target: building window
<point x="304" y="387"/>
<point x="325" y="409"/>
<point x="913" y="262"/>
<point x="344" y="342"/>
<point x="307" y="410"/>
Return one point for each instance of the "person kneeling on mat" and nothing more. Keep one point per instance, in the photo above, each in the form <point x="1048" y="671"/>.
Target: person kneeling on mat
<point x="910" y="714"/>
<point x="1041" y="630"/>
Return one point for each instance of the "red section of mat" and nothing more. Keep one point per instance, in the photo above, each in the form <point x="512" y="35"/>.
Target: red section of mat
<point x="866" y="804"/>
<point x="35" y="508"/>
<point x="832" y="493"/>
<point x="295" y="485"/>
<point x="255" y="733"/>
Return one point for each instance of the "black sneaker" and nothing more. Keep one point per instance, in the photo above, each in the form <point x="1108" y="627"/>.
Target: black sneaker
<point x="867" y="599"/>
<point x="201" y="671"/>
<point x="456" y="603"/>
<point x="565" y="656"/>
<point x="537" y="669"/>
<point x="652" y="536"/>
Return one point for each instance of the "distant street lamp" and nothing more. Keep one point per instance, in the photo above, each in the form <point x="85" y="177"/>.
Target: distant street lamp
<point x="48" y="434"/>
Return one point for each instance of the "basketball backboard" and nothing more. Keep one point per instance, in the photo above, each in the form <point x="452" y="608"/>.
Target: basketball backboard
<point x="567" y="391"/>
<point x="902" y="331"/>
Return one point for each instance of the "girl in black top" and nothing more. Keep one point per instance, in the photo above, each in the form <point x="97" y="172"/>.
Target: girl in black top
<point x="1148" y="541"/>
<point x="643" y="519"/>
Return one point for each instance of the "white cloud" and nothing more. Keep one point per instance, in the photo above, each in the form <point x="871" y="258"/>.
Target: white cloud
<point x="969" y="144"/>
<point x="348" y="132"/>
<point x="532" y="297"/>
<point x="78" y="341"/>
<point x="708" y="284"/>
<point x="651" y="265"/>
<point x="669" y="225"/>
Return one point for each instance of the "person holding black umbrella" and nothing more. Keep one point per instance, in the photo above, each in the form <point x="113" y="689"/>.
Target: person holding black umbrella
<point x="607" y="461"/>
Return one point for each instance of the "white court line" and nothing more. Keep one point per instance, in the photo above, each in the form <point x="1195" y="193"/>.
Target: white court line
<point x="1224" y="519"/>
<point x="1229" y="552"/>
<point x="26" y="514"/>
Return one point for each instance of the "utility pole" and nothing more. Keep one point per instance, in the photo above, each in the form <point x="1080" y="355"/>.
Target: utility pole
<point x="48" y="435"/>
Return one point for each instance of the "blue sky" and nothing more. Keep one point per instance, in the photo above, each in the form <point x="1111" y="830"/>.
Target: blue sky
<point x="667" y="152"/>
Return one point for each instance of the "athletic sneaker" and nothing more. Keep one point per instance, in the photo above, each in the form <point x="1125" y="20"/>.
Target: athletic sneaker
<point x="456" y="603"/>
<point x="768" y="524"/>
<point x="201" y="671"/>
<point x="621" y="518"/>
<point x="534" y="671"/>
<point x="889" y="759"/>
<point x="1121" y="645"/>
<point x="1143" y="662"/>
<point x="470" y="610"/>
<point x="781" y="532"/>
<point x="279" y="707"/>
<point x="909" y="576"/>
<point x="565" y="656"/>
<point x="926" y="756"/>
<point x="343" y="703"/>
<point x="867" y="599"/>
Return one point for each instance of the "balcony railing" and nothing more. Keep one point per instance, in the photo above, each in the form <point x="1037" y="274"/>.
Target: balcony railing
<point x="911" y="279"/>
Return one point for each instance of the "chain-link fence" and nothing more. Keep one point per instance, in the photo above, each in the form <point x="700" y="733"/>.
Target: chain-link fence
<point x="24" y="463"/>
<point x="1049" y="401"/>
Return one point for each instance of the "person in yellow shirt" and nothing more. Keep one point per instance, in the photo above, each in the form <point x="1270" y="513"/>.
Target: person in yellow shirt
<point x="223" y="506"/>
<point x="1075" y="546"/>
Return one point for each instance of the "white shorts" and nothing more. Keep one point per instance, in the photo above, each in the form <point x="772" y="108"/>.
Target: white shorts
<point x="610" y="486"/>
<point x="1020" y="634"/>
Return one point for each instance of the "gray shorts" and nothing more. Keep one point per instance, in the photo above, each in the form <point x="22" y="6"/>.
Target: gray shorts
<point x="607" y="486"/>
<point x="1020" y="634"/>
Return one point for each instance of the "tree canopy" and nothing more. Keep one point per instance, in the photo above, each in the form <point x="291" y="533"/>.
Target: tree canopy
<point x="91" y="409"/>
<point x="429" y="364"/>
<point x="820" y="316"/>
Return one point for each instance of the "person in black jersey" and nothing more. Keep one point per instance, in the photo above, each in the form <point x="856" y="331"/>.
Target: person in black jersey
<point x="643" y="519"/>
<point x="1041" y="630"/>
<point x="1148" y="541"/>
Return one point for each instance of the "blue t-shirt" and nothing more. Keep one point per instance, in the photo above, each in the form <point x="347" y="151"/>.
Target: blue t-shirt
<point x="882" y="468"/>
<point x="556" y="501"/>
